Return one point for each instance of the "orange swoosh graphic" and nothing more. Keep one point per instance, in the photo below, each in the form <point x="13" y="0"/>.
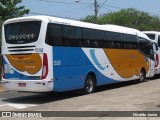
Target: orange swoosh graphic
<point x="127" y="63"/>
<point x="30" y="63"/>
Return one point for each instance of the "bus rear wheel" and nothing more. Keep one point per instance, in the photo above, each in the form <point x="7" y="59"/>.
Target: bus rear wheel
<point x="89" y="86"/>
<point x="142" y="76"/>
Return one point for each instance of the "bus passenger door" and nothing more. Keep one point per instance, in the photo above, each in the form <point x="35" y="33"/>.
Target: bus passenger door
<point x="154" y="62"/>
<point x="156" y="56"/>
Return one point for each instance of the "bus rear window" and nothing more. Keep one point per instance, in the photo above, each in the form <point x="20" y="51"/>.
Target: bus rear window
<point x="22" y="32"/>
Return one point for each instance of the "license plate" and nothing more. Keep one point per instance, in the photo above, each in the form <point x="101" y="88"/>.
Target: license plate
<point x="21" y="84"/>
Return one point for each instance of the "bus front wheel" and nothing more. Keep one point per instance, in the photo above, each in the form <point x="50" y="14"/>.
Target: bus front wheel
<point x="89" y="86"/>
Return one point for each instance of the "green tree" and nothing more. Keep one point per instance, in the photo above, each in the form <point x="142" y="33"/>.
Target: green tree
<point x="1" y="22"/>
<point x="9" y="9"/>
<point x="129" y="18"/>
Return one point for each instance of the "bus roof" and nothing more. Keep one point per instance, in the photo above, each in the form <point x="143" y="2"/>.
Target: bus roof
<point x="107" y="27"/>
<point x="151" y="32"/>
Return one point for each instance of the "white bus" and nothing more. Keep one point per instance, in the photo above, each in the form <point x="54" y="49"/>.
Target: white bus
<point x="155" y="36"/>
<point x="43" y="54"/>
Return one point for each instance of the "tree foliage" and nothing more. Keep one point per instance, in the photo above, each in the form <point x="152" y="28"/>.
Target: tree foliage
<point x="9" y="9"/>
<point x="128" y="17"/>
<point x="1" y="22"/>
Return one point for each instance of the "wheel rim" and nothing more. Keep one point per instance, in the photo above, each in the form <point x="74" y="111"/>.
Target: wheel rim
<point x="89" y="86"/>
<point x="141" y="76"/>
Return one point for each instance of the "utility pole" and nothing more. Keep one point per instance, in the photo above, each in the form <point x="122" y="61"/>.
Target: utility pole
<point x="96" y="8"/>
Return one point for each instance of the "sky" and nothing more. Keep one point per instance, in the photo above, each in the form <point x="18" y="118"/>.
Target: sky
<point x="77" y="10"/>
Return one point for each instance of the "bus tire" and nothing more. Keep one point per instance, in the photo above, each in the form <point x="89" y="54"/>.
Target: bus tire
<point x="89" y="86"/>
<point x="142" y="75"/>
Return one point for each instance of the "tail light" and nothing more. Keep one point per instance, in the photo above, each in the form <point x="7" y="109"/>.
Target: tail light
<point x="157" y="60"/>
<point x="45" y="66"/>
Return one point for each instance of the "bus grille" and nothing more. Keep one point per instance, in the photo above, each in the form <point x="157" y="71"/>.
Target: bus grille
<point x="21" y="48"/>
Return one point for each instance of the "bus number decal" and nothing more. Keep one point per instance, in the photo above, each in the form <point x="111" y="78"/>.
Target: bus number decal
<point x="57" y="62"/>
<point x="39" y="50"/>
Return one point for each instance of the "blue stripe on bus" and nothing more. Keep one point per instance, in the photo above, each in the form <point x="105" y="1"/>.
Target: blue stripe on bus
<point x="92" y="52"/>
<point x="73" y="68"/>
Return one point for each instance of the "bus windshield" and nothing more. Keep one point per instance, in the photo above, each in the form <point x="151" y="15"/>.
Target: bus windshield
<point x="22" y="32"/>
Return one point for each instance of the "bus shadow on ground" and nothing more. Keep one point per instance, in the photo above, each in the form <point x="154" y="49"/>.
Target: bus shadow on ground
<point x="42" y="98"/>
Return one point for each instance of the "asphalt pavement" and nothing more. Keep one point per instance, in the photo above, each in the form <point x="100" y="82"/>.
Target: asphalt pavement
<point x="126" y="96"/>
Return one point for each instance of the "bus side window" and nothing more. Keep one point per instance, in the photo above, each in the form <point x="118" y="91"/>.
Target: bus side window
<point x="146" y="47"/>
<point x="54" y="35"/>
<point x="72" y="36"/>
<point x="131" y="42"/>
<point x="114" y="40"/>
<point x="96" y="37"/>
<point x="159" y="41"/>
<point x="151" y="36"/>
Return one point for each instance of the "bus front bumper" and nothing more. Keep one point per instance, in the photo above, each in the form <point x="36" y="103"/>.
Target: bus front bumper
<point x="28" y="85"/>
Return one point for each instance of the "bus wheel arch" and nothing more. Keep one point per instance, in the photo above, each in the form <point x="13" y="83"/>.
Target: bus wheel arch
<point x="90" y="83"/>
<point x="142" y="75"/>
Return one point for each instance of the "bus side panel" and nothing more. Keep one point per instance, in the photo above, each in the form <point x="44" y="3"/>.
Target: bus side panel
<point x="76" y="65"/>
<point x="60" y="79"/>
<point x="100" y="65"/>
<point x="79" y="66"/>
<point x="75" y="77"/>
<point x="70" y="60"/>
